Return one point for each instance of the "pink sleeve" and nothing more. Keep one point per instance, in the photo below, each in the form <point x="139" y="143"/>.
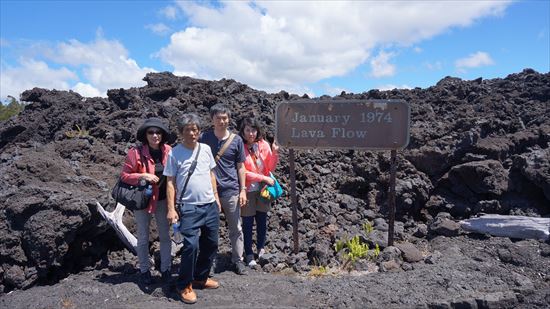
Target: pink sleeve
<point x="253" y="177"/>
<point x="131" y="169"/>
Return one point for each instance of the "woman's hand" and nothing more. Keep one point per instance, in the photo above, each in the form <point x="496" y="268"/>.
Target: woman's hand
<point x="270" y="181"/>
<point x="275" y="147"/>
<point x="150" y="177"/>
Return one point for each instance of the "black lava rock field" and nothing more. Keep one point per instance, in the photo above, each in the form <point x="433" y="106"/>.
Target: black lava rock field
<point x="476" y="147"/>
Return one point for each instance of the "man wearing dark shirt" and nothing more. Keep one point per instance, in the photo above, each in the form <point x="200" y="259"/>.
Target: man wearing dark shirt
<point x="230" y="177"/>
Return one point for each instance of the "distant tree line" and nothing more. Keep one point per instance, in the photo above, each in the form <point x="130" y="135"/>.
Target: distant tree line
<point x="12" y="108"/>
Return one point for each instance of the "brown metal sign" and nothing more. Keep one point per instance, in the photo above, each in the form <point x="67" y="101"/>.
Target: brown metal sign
<point x="357" y="124"/>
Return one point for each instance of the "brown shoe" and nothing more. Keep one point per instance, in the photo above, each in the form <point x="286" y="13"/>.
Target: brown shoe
<point x="206" y="284"/>
<point x="187" y="295"/>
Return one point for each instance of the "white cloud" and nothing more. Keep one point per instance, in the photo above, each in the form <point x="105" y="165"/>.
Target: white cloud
<point x="475" y="60"/>
<point x="159" y="29"/>
<point x="296" y="89"/>
<point x="33" y="73"/>
<point x="280" y="44"/>
<point x="269" y="45"/>
<point x="380" y="67"/>
<point x="434" y="66"/>
<point x="417" y="49"/>
<point x="88" y="67"/>
<point x="332" y="91"/>
<point x="105" y="63"/>
<point x="170" y="12"/>
<point x="4" y="42"/>
<point x="391" y="87"/>
<point x="186" y="73"/>
<point x="86" y="90"/>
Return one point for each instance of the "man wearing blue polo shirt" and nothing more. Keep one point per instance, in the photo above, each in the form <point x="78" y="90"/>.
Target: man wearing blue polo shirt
<point x="230" y="177"/>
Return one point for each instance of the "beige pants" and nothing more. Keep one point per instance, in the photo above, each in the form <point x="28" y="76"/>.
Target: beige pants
<point x="142" y="221"/>
<point x="232" y="212"/>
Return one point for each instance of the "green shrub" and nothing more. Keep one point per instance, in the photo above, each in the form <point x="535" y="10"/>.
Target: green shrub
<point x="367" y="227"/>
<point x="318" y="270"/>
<point x="353" y="249"/>
<point x="376" y="252"/>
<point x="77" y="133"/>
<point x="11" y="109"/>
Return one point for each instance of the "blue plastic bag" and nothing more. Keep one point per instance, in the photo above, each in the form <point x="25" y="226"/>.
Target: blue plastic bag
<point x="275" y="191"/>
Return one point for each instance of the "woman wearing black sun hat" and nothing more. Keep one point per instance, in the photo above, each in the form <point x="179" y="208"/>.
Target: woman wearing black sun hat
<point x="152" y="134"/>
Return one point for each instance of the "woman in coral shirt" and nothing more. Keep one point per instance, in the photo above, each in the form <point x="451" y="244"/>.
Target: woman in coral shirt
<point x="153" y="135"/>
<point x="260" y="161"/>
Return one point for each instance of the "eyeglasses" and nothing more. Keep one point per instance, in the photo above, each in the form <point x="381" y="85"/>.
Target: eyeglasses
<point x="154" y="132"/>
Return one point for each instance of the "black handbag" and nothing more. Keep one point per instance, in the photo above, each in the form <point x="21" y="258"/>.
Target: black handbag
<point x="133" y="197"/>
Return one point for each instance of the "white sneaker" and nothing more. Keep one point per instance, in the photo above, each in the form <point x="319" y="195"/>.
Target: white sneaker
<point x="250" y="260"/>
<point x="261" y="253"/>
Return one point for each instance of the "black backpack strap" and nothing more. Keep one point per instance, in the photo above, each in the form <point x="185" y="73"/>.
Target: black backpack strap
<point x="224" y="146"/>
<point x="190" y="172"/>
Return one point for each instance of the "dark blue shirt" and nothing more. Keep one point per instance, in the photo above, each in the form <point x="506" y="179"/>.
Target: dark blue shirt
<point x="227" y="176"/>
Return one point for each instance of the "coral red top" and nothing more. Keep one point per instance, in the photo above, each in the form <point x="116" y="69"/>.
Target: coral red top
<point x="259" y="162"/>
<point x="132" y="170"/>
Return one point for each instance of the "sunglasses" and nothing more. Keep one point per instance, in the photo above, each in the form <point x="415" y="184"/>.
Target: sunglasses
<point x="152" y="132"/>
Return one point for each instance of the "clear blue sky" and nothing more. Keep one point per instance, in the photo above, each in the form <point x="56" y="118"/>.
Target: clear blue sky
<point x="302" y="47"/>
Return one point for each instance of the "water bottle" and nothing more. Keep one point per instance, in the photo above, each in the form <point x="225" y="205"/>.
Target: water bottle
<point x="149" y="191"/>
<point x="178" y="238"/>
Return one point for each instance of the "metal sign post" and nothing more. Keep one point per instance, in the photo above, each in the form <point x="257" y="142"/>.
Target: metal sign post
<point x="343" y="124"/>
<point x="294" y="201"/>
<point x="391" y="198"/>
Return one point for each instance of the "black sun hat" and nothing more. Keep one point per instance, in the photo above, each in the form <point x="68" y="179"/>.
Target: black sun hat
<point x="152" y="122"/>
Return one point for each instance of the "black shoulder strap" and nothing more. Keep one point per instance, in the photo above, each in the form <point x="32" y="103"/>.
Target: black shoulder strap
<point x="190" y="172"/>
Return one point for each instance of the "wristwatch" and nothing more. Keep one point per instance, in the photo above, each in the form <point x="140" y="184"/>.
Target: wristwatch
<point x="243" y="188"/>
